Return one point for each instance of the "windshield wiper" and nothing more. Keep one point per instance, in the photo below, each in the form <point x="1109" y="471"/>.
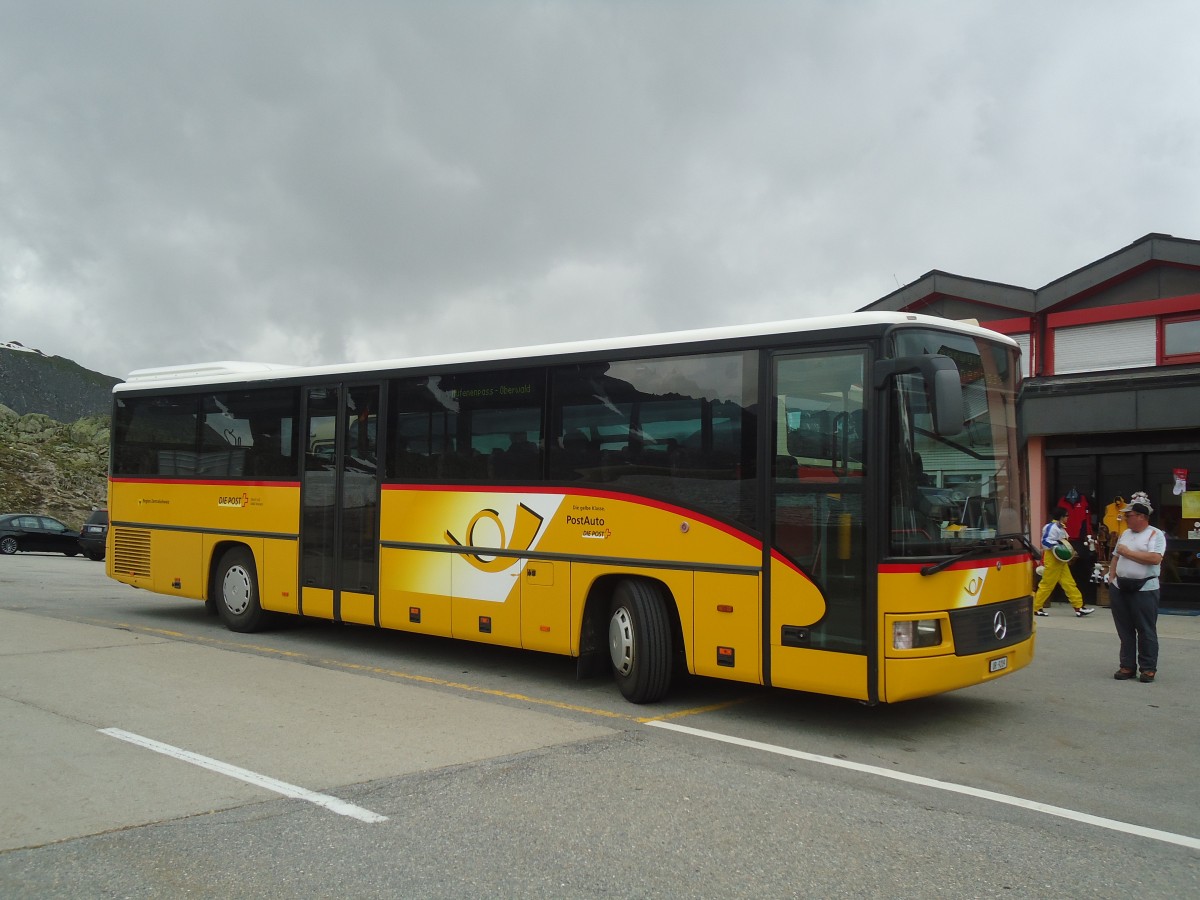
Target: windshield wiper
<point x="977" y="549"/>
<point x="1025" y="542"/>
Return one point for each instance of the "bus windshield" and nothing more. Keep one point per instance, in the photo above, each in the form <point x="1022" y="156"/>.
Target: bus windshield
<point x="946" y="490"/>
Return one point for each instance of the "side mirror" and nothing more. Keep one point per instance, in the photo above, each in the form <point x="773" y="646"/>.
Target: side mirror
<point x="943" y="387"/>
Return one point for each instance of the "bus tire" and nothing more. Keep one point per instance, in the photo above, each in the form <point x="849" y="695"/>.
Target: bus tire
<point x="639" y="641"/>
<point x="236" y="590"/>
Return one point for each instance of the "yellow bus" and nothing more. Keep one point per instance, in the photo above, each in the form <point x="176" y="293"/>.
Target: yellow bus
<point x="833" y="505"/>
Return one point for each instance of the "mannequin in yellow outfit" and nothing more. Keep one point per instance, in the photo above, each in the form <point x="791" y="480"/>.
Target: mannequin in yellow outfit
<point x="1056" y="570"/>
<point x="1114" y="518"/>
<point x="1110" y="529"/>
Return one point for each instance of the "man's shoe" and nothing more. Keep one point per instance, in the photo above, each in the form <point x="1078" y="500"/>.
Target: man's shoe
<point x="1146" y="677"/>
<point x="1084" y="611"/>
<point x="1041" y="612"/>
<point x="1123" y="674"/>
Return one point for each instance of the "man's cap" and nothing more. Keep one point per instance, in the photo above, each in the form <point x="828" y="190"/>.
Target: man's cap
<point x="1139" y="503"/>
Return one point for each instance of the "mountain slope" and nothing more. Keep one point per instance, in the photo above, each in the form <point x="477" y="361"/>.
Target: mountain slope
<point x="32" y="382"/>
<point x="48" y="467"/>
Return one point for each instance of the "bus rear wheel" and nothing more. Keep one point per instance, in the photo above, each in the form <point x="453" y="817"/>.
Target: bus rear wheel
<point x="236" y="587"/>
<point x="639" y="641"/>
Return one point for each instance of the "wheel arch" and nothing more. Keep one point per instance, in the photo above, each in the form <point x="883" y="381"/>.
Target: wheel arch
<point x="593" y="641"/>
<point x="235" y="586"/>
<point x="215" y="554"/>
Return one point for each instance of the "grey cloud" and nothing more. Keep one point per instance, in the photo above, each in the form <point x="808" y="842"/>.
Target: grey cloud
<point x="318" y="182"/>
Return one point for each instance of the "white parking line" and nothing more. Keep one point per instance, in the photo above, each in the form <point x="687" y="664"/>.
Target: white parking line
<point x="1111" y="824"/>
<point x="333" y="804"/>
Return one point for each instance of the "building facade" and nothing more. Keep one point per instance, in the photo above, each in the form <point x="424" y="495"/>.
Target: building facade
<point x="1111" y="394"/>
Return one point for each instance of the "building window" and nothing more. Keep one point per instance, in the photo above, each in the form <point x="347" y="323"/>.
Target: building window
<point x="1023" y="341"/>
<point x="1181" y="339"/>
<point x="1105" y="346"/>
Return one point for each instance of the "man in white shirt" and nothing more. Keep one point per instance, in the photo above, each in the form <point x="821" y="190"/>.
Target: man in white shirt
<point x="1134" y="591"/>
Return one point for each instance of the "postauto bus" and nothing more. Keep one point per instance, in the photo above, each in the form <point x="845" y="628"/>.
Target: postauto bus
<point x="834" y="505"/>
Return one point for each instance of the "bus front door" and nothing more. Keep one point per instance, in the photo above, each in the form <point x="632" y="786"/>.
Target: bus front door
<point x="818" y="517"/>
<point x="339" y="530"/>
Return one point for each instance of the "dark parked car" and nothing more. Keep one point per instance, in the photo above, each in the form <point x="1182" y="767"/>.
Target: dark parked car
<point x="94" y="533"/>
<point x="37" y="534"/>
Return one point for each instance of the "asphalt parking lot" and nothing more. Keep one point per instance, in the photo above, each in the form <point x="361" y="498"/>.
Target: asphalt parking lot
<point x="145" y="750"/>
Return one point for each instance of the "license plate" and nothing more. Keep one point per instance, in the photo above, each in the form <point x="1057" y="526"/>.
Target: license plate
<point x="998" y="665"/>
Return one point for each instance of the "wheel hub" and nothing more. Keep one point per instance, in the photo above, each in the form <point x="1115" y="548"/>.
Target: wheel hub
<point x="620" y="640"/>
<point x="235" y="590"/>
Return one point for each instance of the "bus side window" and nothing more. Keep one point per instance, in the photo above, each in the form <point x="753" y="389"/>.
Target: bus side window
<point x="575" y="457"/>
<point x="522" y="460"/>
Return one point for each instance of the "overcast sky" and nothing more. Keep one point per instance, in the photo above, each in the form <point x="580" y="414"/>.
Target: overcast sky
<point x="320" y="182"/>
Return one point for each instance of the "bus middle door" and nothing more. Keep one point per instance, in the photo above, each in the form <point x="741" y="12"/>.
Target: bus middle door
<point x="339" y="531"/>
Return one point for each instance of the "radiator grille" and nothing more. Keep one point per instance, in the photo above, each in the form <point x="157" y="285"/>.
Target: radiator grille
<point x="975" y="629"/>
<point x="131" y="552"/>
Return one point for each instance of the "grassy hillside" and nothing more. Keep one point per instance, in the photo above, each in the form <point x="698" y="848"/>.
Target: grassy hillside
<point x="51" y="468"/>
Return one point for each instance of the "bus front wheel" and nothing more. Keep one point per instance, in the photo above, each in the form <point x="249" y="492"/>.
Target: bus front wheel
<point x="639" y="641"/>
<point x="237" y="591"/>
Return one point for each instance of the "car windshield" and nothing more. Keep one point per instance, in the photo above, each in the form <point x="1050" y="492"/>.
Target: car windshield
<point x="946" y="490"/>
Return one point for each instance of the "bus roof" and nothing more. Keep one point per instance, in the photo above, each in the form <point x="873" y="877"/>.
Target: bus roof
<point x="236" y="372"/>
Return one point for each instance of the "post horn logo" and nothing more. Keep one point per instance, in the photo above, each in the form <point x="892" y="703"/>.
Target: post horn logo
<point x="487" y="559"/>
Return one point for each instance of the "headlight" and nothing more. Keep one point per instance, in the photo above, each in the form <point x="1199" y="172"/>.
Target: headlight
<point x="914" y="633"/>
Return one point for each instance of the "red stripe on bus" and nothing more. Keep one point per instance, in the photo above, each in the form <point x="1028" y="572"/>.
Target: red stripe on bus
<point x="209" y="482"/>
<point x="973" y="563"/>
